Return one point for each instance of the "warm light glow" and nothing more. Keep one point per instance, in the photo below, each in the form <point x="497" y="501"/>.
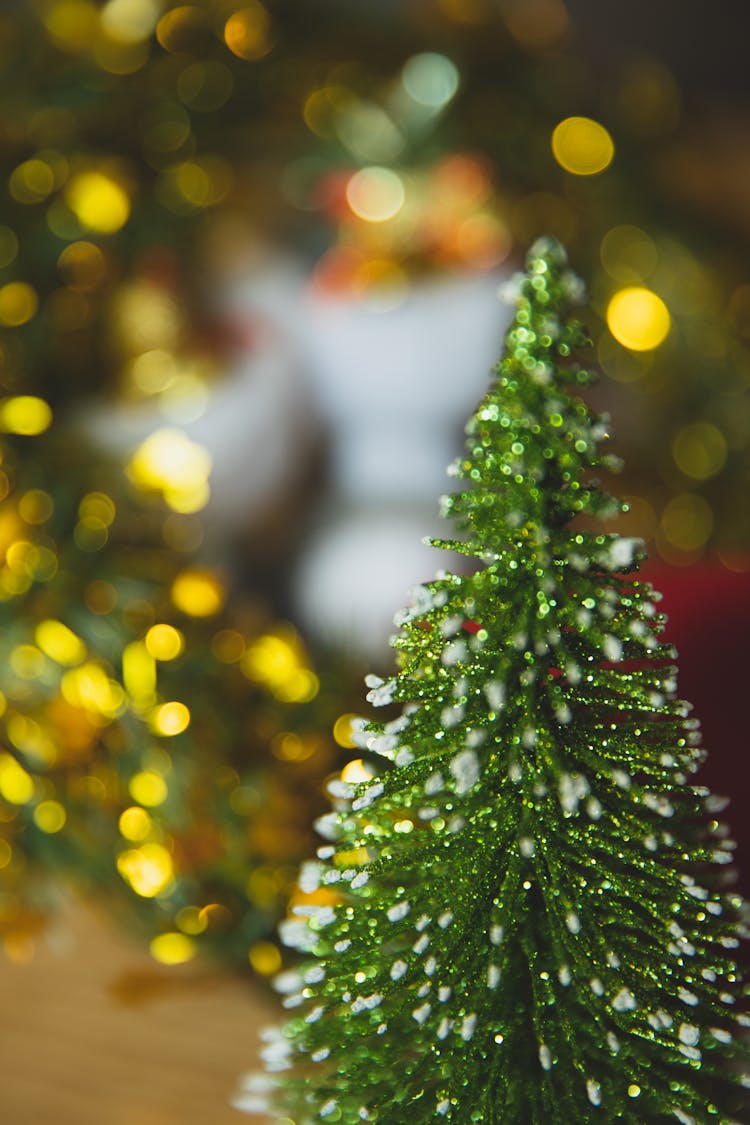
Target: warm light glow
<point x="375" y="194"/>
<point x="582" y="146"/>
<point x="265" y="958"/>
<point x="73" y="23"/>
<point x="170" y="719"/>
<point x="18" y="303"/>
<point x="168" y="461"/>
<point x="164" y="642"/>
<point x="276" y="661"/>
<point x="50" y="816"/>
<point x="430" y="79"/>
<point x="82" y="265"/>
<point x="148" y="869"/>
<point x="59" y="643"/>
<point x="191" y="920"/>
<point x="98" y="201"/>
<point x="198" y="593"/>
<point x="700" y="450"/>
<point x="8" y="246"/>
<point x="638" y="319"/>
<point x="31" y="181"/>
<point x="342" y="731"/>
<point x="247" y="33"/>
<point x="130" y="21"/>
<point x="139" y="674"/>
<point x="148" y="788"/>
<point x="98" y="507"/>
<point x="135" y="824"/>
<point x="628" y="254"/>
<point x="16" y="785"/>
<point x="35" y="506"/>
<point x="356" y="771"/>
<point x="172" y="948"/>
<point x="91" y="688"/>
<point x="687" y="522"/>
<point x="24" y="414"/>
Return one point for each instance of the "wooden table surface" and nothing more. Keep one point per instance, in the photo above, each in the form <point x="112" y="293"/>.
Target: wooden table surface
<point x="102" y="1035"/>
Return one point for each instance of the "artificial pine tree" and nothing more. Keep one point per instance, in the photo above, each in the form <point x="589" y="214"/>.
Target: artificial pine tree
<point x="529" y="922"/>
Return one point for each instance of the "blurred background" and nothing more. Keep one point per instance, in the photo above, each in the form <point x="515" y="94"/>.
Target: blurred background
<point x="252" y="256"/>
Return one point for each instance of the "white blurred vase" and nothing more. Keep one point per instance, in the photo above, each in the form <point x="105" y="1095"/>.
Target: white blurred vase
<point x="395" y="387"/>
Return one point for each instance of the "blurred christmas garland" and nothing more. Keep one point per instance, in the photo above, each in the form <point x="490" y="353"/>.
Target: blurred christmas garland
<point x="141" y="144"/>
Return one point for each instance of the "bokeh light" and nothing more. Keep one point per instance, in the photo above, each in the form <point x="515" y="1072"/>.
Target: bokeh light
<point x="699" y="450"/>
<point x="247" y="32"/>
<point x="582" y="146"/>
<point x="24" y="414"/>
<point x="638" y="319"/>
<point x="168" y="461"/>
<point x="375" y="194"/>
<point x="98" y="201"/>
<point x="148" y="869"/>
<point x="430" y="79"/>
<point x="198" y="593"/>
<point x="172" y="948"/>
<point x="18" y="303"/>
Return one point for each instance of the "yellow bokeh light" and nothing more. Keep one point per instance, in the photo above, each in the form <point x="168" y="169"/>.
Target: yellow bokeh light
<point x="148" y="788"/>
<point x="356" y="771"/>
<point x="265" y="958"/>
<point x="73" y="23"/>
<point x="50" y="816"/>
<point x="139" y="673"/>
<point x="276" y="660"/>
<point x="247" y="33"/>
<point x="700" y="450"/>
<point x="168" y="461"/>
<point x="628" y="254"/>
<point x="170" y="719"/>
<point x="24" y="414"/>
<point x="31" y="739"/>
<point x="172" y="948"/>
<point x="148" y="869"/>
<point x="16" y="785"/>
<point x="98" y="201"/>
<point x="198" y="593"/>
<point x="99" y="507"/>
<point x="18" y="303"/>
<point x="130" y="21"/>
<point x="89" y="687"/>
<point x="375" y="194"/>
<point x="582" y="146"/>
<point x="35" y="506"/>
<point x="342" y="731"/>
<point x="59" y="642"/>
<point x="687" y="521"/>
<point x="31" y="181"/>
<point x="164" y="642"/>
<point x="638" y="319"/>
<point x="82" y="265"/>
<point x="6" y="853"/>
<point x="135" y="824"/>
<point x="8" y="246"/>
<point x="191" y="920"/>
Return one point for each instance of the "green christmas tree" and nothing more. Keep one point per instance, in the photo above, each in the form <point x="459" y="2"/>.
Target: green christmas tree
<point x="531" y="924"/>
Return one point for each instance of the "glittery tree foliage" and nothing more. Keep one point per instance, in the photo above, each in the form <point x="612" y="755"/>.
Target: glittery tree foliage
<point x="530" y="921"/>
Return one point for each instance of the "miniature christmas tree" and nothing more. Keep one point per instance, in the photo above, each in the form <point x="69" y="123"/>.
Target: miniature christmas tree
<point x="525" y="919"/>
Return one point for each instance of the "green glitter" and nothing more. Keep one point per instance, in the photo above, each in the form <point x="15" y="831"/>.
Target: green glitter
<point x="534" y="929"/>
